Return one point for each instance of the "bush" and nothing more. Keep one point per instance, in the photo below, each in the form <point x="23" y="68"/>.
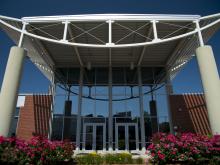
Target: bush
<point x="92" y="158"/>
<point x="38" y="150"/>
<point x="121" y="158"/>
<point x="185" y="147"/>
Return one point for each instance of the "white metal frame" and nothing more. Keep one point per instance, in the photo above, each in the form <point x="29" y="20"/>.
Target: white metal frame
<point x="94" y="125"/>
<point x="141" y="103"/>
<point x="79" y="117"/>
<point x="126" y="125"/>
<point x="110" y="18"/>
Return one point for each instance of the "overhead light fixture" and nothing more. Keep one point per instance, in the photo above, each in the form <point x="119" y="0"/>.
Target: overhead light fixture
<point x="180" y="65"/>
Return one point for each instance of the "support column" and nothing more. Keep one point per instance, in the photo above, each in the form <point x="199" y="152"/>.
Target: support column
<point x="52" y="92"/>
<point x="211" y="86"/>
<point x="10" y="87"/>
<point x="79" y="113"/>
<point x="143" y="147"/>
<point x="110" y="116"/>
<point x="169" y="90"/>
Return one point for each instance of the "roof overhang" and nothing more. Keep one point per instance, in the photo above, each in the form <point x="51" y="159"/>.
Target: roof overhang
<point x="165" y="42"/>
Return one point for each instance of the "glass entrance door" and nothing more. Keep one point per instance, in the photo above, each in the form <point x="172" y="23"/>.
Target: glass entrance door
<point x="94" y="136"/>
<point x="126" y="136"/>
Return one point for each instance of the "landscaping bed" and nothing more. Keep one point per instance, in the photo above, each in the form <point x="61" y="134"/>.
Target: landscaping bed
<point x="119" y="158"/>
<point x="184" y="148"/>
<point x="41" y="151"/>
<point x="37" y="151"/>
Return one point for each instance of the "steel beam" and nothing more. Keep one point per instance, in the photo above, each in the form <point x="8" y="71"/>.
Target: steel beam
<point x="144" y="48"/>
<point x="143" y="147"/>
<point x="110" y="115"/>
<point x="79" y="113"/>
<point x="169" y="91"/>
<point x="75" y="48"/>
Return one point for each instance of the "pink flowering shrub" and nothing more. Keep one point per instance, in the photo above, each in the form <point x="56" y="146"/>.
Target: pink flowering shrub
<point x="38" y="150"/>
<point x="185" y="147"/>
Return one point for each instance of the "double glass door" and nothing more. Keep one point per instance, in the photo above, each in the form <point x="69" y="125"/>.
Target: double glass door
<point x="126" y="136"/>
<point x="94" y="136"/>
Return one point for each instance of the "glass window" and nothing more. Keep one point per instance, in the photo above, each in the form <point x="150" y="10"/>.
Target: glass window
<point x="13" y="126"/>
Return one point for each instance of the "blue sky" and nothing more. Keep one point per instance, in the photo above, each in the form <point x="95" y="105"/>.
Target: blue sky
<point x="188" y="79"/>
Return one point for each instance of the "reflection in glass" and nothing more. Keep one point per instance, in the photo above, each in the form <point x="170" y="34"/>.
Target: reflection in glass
<point x="99" y="137"/>
<point x="132" y="137"/>
<point x="89" y="138"/>
<point x="121" y="137"/>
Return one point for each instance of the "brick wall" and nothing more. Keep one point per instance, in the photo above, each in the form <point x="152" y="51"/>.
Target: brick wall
<point x="189" y="113"/>
<point x="34" y="116"/>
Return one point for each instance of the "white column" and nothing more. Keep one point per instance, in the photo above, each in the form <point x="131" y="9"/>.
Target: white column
<point x="79" y="113"/>
<point x="211" y="86"/>
<point x="110" y="117"/>
<point x="52" y="92"/>
<point x="169" y="91"/>
<point x="141" y="110"/>
<point x="155" y="29"/>
<point x="110" y="32"/>
<point x="10" y="87"/>
<point x="65" y="30"/>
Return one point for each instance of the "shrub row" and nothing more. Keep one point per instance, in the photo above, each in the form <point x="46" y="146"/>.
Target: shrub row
<point x="37" y="151"/>
<point x="94" y="158"/>
<point x="185" y="147"/>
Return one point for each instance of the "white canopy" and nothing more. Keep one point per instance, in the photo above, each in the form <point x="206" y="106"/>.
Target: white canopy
<point x="116" y="40"/>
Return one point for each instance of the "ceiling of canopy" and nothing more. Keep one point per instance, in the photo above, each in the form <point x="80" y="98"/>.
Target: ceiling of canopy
<point x="159" y="42"/>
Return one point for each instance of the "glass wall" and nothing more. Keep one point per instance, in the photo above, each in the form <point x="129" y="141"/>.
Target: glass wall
<point x="161" y="118"/>
<point x="59" y="108"/>
<point x="125" y="109"/>
<point x="14" y="123"/>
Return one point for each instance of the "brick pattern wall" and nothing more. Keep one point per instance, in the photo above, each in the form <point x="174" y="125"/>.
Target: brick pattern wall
<point x="34" y="117"/>
<point x="189" y="113"/>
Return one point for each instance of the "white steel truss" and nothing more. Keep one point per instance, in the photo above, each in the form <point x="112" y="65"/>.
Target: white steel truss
<point x="112" y="32"/>
<point x="110" y="19"/>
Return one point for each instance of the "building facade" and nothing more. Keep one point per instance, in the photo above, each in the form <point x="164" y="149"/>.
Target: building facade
<point x="110" y="75"/>
<point x="33" y="115"/>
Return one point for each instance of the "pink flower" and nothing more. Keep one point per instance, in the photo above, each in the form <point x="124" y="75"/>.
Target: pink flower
<point x="180" y="144"/>
<point x="151" y="146"/>
<point x="152" y="154"/>
<point x="1" y="139"/>
<point x="171" y="138"/>
<point x="32" y="156"/>
<point x="160" y="155"/>
<point x="166" y="146"/>
<point x="173" y="152"/>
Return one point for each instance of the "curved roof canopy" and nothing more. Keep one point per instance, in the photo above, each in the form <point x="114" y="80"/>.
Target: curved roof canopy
<point x="102" y="40"/>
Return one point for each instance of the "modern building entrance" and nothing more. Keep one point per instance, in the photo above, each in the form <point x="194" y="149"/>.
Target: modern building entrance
<point x="94" y="136"/>
<point x="110" y="74"/>
<point x="126" y="136"/>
